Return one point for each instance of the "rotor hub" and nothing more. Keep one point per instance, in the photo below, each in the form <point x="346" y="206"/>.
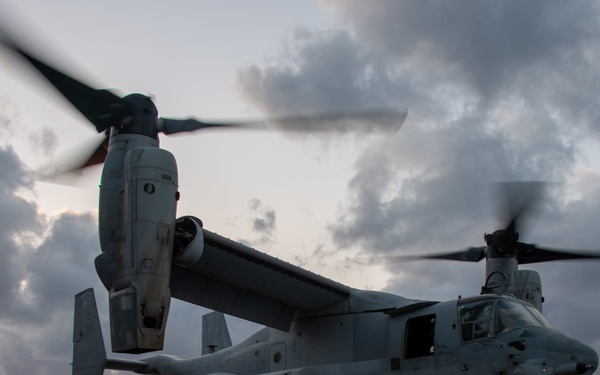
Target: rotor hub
<point x="141" y="119"/>
<point x="502" y="244"/>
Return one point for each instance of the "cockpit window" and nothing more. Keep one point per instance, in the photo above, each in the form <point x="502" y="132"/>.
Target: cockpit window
<point x="538" y="315"/>
<point x="512" y="315"/>
<point x="493" y="317"/>
<point x="476" y="320"/>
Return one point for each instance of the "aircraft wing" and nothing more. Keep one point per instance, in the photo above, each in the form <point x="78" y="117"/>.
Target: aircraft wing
<point x="237" y="280"/>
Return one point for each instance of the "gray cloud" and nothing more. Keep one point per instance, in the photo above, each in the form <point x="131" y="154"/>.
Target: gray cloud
<point x="441" y="61"/>
<point x="485" y="87"/>
<point x="306" y="77"/>
<point x="7" y="116"/>
<point x="44" y="142"/>
<point x="485" y="46"/>
<point x="40" y="312"/>
<point x="446" y="192"/>
<point x="42" y="266"/>
<point x="323" y="72"/>
<point x="263" y="223"/>
<point x="18" y="221"/>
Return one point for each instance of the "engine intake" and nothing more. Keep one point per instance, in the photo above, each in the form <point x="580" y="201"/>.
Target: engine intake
<point x="189" y="241"/>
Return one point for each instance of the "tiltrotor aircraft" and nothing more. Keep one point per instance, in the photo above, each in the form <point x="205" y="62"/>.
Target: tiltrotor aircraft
<point x="313" y="325"/>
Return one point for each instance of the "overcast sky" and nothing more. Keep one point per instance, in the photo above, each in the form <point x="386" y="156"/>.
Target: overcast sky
<point x="502" y="91"/>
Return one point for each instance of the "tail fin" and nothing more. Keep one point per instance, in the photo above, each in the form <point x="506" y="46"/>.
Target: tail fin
<point x="215" y="335"/>
<point x="89" y="355"/>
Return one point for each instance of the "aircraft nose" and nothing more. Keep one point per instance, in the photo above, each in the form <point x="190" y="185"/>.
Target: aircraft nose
<point x="586" y="357"/>
<point x="576" y="358"/>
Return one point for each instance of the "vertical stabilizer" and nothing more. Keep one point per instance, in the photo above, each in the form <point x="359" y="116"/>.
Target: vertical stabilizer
<point x="89" y="355"/>
<point x="215" y="335"/>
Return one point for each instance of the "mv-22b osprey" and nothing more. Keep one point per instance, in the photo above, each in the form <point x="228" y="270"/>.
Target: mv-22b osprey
<point x="313" y="325"/>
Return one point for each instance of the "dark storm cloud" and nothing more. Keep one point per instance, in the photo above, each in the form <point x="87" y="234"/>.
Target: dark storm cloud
<point x="542" y="53"/>
<point x="41" y="311"/>
<point x="42" y="265"/>
<point x="60" y="267"/>
<point x="18" y="221"/>
<point x="487" y="44"/>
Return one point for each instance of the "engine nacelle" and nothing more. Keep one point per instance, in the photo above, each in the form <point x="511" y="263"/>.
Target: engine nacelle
<point x="140" y="266"/>
<point x="528" y="287"/>
<point x="523" y="284"/>
<point x="189" y="241"/>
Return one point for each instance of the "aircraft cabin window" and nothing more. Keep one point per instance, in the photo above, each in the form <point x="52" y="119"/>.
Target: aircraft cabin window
<point x="419" y="336"/>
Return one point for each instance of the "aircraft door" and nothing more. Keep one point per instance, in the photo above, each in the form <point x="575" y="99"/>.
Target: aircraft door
<point x="419" y="346"/>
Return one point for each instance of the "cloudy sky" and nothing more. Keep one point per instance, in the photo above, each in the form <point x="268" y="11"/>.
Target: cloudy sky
<point x="503" y="91"/>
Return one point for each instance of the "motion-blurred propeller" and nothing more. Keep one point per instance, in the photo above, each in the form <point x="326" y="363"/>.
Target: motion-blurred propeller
<point x="517" y="200"/>
<point x="133" y="113"/>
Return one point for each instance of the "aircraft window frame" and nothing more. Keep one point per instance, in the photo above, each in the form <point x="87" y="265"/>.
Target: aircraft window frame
<point x="514" y="315"/>
<point x="539" y="316"/>
<point x="493" y="317"/>
<point x="476" y="320"/>
<point x="419" y="340"/>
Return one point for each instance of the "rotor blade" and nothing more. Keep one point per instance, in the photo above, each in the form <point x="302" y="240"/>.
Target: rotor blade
<point x="172" y="126"/>
<point x="519" y="199"/>
<point x="99" y="155"/>
<point x="471" y="254"/>
<point x="101" y="107"/>
<point x="366" y="120"/>
<point x="532" y="254"/>
<point x="91" y="153"/>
